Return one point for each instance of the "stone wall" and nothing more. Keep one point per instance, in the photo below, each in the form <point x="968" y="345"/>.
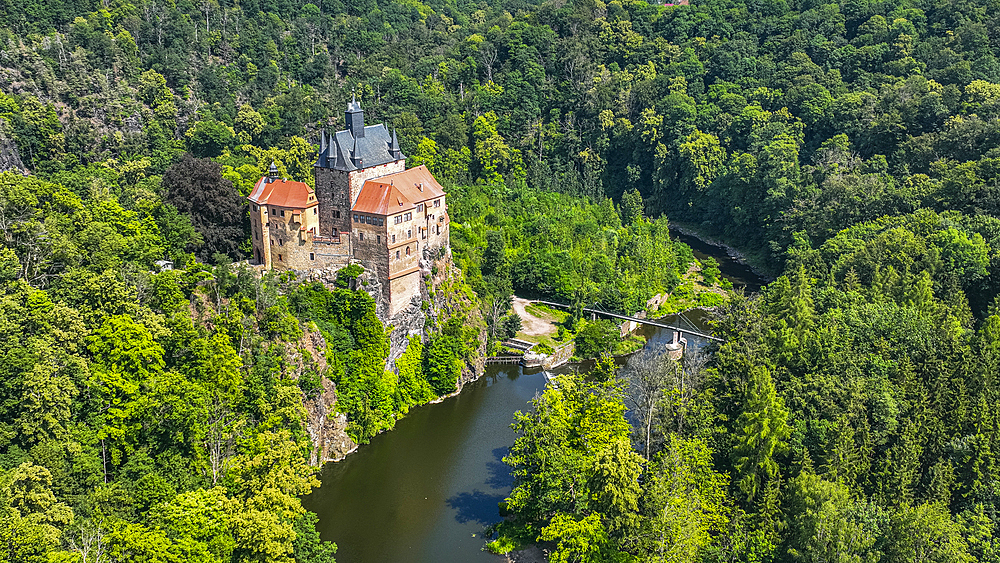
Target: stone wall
<point x="359" y="177"/>
<point x="435" y="221"/>
<point x="333" y="194"/>
<point x="337" y="191"/>
<point x="300" y="250"/>
<point x="402" y="291"/>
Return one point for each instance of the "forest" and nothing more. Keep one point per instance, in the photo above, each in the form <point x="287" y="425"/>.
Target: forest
<point x="850" y="146"/>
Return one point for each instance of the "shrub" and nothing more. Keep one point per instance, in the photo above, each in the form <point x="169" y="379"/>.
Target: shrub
<point x="543" y="348"/>
<point x="709" y="299"/>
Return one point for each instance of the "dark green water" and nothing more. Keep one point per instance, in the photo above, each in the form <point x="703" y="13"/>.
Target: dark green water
<point x="424" y="491"/>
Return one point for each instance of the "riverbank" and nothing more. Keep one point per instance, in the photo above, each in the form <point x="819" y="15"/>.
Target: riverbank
<point x="753" y="262"/>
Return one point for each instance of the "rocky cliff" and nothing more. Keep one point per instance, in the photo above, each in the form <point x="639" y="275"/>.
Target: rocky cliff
<point x="326" y="428"/>
<point x="10" y="159"/>
<point x="449" y="296"/>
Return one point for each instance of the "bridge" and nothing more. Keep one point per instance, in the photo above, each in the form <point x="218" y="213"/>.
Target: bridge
<point x="634" y="319"/>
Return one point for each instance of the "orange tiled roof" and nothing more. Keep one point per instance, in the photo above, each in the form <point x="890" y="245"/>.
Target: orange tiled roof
<point x="393" y="193"/>
<point x="282" y="193"/>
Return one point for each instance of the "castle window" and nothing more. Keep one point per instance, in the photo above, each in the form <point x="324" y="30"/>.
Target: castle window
<point x="355" y="216"/>
<point x="378" y="239"/>
<point x="409" y="234"/>
<point x="361" y="235"/>
<point x="281" y="242"/>
<point x="437" y="203"/>
<point x="407" y="250"/>
<point x="398" y="219"/>
<point x="439" y="229"/>
<point x="397" y="255"/>
<point x="315" y="210"/>
<point x="279" y="258"/>
<point x="256" y="207"/>
<point x="312" y="256"/>
<point x="420" y="207"/>
<point x="282" y="212"/>
<point x="272" y="242"/>
<point x="394" y="239"/>
<point x="409" y="216"/>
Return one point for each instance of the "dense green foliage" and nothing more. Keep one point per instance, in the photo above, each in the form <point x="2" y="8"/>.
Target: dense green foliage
<point x="850" y="416"/>
<point x="145" y="416"/>
<point x="563" y="247"/>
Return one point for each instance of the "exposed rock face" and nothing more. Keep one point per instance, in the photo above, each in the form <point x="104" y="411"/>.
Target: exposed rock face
<point x="10" y="159"/>
<point x="449" y="299"/>
<point x="408" y="322"/>
<point x="326" y="428"/>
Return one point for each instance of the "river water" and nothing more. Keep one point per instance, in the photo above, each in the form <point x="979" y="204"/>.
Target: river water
<point x="423" y="492"/>
<point x="740" y="274"/>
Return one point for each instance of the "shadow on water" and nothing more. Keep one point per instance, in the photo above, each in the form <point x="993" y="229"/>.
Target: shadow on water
<point x="477" y="506"/>
<point x="499" y="476"/>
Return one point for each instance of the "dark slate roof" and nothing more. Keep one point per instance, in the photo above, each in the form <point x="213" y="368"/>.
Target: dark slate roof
<point x="343" y="150"/>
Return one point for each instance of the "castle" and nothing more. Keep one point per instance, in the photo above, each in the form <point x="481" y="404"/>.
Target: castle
<point x="367" y="208"/>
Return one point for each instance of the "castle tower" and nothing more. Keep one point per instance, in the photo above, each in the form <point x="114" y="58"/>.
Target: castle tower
<point x="346" y="159"/>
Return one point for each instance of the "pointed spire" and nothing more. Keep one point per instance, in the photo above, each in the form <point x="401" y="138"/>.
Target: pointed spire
<point x="342" y="162"/>
<point x="356" y="153"/>
<point x="331" y="151"/>
<point x="394" y="146"/>
<point x="321" y="159"/>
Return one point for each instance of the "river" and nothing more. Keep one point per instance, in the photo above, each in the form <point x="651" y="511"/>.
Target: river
<point x="424" y="491"/>
<point x="737" y="272"/>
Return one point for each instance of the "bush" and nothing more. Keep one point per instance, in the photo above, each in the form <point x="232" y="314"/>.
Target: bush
<point x="348" y="274"/>
<point x="709" y="299"/>
<point x="543" y="348"/>
<point x="511" y="326"/>
<point x="710" y="270"/>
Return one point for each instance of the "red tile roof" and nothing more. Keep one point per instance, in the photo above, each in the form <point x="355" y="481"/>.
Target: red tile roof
<point x="282" y="193"/>
<point x="391" y="194"/>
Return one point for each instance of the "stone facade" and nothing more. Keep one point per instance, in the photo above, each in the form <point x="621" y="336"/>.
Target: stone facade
<point x="338" y="190"/>
<point x="367" y="208"/>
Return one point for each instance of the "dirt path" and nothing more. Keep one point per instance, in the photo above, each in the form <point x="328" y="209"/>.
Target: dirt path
<point x="530" y="324"/>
